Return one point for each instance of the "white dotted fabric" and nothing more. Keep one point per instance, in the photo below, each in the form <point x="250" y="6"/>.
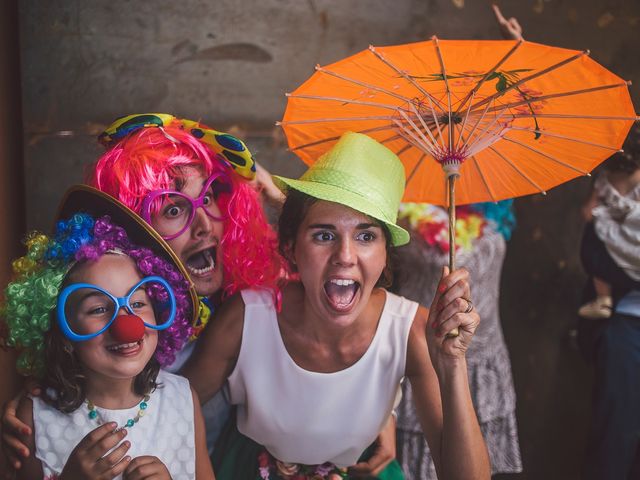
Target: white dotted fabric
<point x="165" y="431"/>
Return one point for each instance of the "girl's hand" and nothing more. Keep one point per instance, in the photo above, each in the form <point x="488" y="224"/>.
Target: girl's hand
<point x="451" y="308"/>
<point x="144" y="467"/>
<point x="14" y="431"/>
<point x="89" y="460"/>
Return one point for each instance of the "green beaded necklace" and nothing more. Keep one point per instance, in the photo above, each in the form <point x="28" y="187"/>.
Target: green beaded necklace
<point x="95" y="415"/>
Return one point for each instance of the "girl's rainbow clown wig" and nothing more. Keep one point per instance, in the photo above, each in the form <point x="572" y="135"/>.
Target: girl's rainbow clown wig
<point x="31" y="299"/>
<point x="147" y="152"/>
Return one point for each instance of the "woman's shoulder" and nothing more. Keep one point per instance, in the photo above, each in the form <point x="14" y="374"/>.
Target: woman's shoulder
<point x="25" y="410"/>
<point x="257" y="296"/>
<point x="420" y="319"/>
<point x="401" y="306"/>
<point x="292" y="296"/>
<point x="31" y="468"/>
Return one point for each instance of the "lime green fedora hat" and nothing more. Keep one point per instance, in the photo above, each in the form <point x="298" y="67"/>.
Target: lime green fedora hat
<point x="360" y="173"/>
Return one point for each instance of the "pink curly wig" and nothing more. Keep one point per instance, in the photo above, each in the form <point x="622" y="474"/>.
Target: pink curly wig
<point x="153" y="158"/>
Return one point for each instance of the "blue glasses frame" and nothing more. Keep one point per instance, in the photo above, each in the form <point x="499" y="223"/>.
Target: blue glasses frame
<point x="119" y="302"/>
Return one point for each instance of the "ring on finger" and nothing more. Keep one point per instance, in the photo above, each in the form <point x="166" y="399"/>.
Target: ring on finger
<point x="469" y="305"/>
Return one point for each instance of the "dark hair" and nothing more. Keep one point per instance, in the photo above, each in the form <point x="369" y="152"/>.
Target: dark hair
<point x="294" y="211"/>
<point x="629" y="160"/>
<point x="63" y="381"/>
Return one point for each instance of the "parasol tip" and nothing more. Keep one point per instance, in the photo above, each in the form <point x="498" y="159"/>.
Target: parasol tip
<point x="318" y="68"/>
<point x="543" y="192"/>
<point x="621" y="151"/>
<point x="287" y="94"/>
<point x="372" y="48"/>
<point x="587" y="174"/>
<point x="629" y="82"/>
<point x="587" y="52"/>
<point x="278" y="124"/>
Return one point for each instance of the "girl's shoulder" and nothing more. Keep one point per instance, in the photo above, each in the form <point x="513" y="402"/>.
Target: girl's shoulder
<point x="173" y="389"/>
<point x="166" y="378"/>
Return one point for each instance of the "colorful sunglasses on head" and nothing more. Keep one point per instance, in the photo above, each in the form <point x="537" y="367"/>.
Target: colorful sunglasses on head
<point x="231" y="149"/>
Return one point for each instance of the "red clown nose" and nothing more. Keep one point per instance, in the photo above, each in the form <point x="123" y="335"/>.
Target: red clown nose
<point x="127" y="328"/>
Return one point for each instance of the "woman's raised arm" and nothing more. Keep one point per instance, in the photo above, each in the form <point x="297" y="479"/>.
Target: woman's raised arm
<point x="437" y="369"/>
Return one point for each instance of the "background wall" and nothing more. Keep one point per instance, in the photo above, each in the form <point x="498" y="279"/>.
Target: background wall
<point x="229" y="63"/>
<point x="12" y="216"/>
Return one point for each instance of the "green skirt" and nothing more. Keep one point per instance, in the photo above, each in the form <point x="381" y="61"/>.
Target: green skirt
<point x="237" y="457"/>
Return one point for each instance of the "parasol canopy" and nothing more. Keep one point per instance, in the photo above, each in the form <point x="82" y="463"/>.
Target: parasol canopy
<point x="510" y="118"/>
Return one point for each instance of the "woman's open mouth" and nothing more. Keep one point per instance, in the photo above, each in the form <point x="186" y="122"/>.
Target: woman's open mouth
<point x="341" y="293"/>
<point x="202" y="262"/>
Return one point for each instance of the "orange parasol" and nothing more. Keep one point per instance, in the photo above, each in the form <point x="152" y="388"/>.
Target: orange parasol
<point x="505" y="118"/>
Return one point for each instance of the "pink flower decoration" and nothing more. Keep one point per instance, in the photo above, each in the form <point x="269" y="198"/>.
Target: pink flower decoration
<point x="264" y="473"/>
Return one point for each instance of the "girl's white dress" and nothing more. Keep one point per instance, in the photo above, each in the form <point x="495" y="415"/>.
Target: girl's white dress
<point x="165" y="431"/>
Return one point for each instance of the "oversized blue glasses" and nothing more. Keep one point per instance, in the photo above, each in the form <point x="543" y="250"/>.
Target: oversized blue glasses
<point x="102" y="307"/>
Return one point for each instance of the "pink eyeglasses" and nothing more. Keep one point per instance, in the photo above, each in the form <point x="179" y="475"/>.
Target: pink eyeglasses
<point x="171" y="212"/>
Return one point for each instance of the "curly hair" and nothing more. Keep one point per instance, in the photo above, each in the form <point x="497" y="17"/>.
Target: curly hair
<point x="154" y="158"/>
<point x="31" y="298"/>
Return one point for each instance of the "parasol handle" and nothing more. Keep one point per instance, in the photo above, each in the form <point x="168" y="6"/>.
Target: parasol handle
<point x="451" y="183"/>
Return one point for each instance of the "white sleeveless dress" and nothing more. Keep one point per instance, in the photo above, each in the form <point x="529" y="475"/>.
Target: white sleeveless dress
<point x="165" y="431"/>
<point x="308" y="417"/>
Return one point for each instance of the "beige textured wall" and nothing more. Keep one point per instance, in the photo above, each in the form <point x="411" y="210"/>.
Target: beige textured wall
<point x="12" y="219"/>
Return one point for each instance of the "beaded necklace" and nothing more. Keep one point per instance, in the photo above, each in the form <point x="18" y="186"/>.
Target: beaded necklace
<point x="95" y="415"/>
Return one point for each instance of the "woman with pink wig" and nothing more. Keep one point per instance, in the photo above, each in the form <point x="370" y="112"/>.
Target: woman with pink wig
<point x="146" y="159"/>
<point x="157" y="164"/>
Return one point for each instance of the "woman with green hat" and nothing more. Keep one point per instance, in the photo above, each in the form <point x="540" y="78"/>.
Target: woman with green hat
<point x="316" y="378"/>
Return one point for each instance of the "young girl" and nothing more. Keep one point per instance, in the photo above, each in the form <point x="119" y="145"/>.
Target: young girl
<point x="611" y="242"/>
<point x="95" y="317"/>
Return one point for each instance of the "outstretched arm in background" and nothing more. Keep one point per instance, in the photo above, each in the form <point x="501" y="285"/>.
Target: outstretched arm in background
<point x="510" y="28"/>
